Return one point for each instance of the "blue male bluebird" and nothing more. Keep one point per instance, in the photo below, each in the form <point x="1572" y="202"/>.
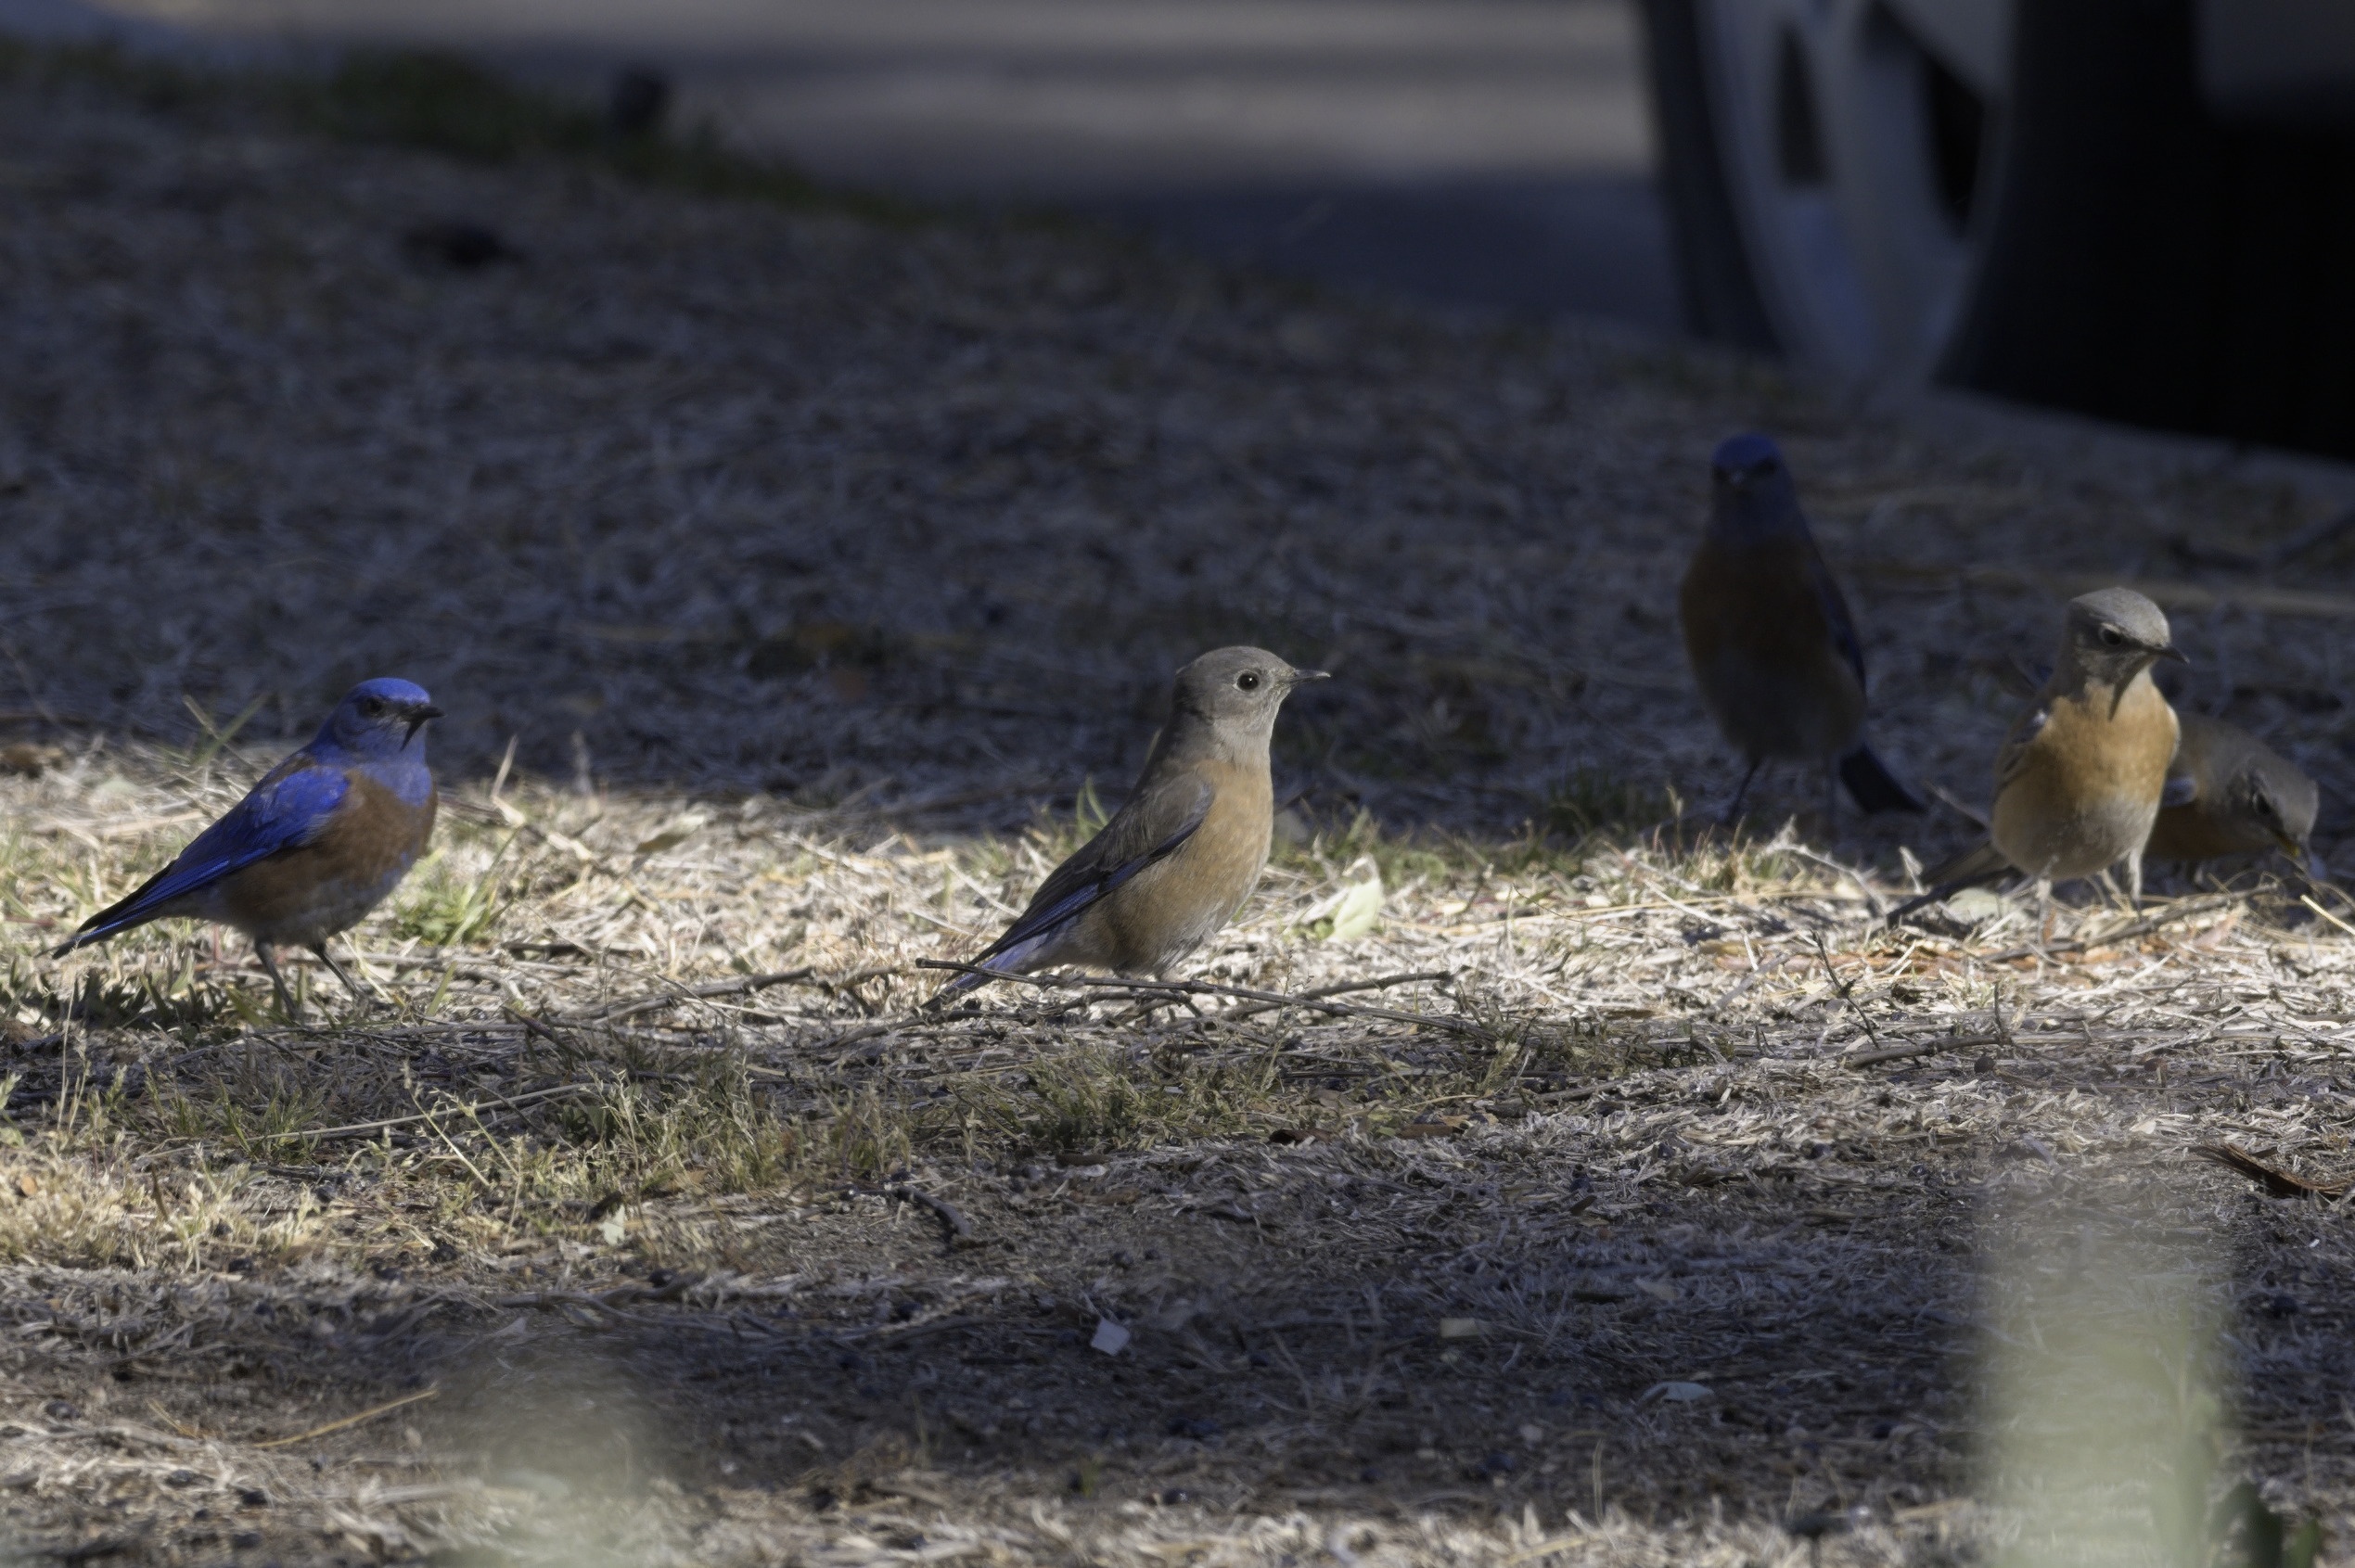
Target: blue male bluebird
<point x="1769" y="635"/>
<point x="1183" y="852"/>
<point x="316" y="846"/>
<point x="2082" y="775"/>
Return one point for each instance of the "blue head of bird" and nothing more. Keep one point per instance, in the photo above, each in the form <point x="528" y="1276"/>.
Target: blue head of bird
<point x="1751" y="491"/>
<point x="378" y="722"/>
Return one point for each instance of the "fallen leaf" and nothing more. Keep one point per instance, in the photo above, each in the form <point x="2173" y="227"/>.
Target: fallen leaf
<point x="1110" y="1337"/>
<point x="28" y="1185"/>
<point x="1359" y="910"/>
<point x="1463" y="1328"/>
<point x="1658" y="1289"/>
<point x="1976" y="906"/>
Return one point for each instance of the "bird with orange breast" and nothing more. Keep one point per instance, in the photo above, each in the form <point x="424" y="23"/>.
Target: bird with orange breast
<point x="2080" y="779"/>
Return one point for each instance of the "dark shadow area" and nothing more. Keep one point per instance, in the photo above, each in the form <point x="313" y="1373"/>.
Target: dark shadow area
<point x="1593" y="247"/>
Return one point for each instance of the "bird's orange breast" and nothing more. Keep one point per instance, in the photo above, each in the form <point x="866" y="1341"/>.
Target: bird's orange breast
<point x="2086" y="787"/>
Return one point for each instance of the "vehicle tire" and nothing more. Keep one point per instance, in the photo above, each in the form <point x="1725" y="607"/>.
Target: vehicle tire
<point x="2144" y="263"/>
<point x="1819" y="163"/>
<point x="1719" y="292"/>
<point x="2107" y="247"/>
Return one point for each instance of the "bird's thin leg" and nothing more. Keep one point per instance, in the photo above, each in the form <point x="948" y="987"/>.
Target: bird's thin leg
<point x="277" y="982"/>
<point x="2133" y="881"/>
<point x="329" y="958"/>
<point x="1733" y="808"/>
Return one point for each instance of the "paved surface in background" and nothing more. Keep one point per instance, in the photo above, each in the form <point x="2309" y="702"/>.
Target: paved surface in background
<point x="1482" y="152"/>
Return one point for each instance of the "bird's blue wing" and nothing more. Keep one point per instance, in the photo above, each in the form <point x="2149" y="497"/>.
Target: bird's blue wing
<point x="1837" y="618"/>
<point x="289" y="808"/>
<point x="1146" y="830"/>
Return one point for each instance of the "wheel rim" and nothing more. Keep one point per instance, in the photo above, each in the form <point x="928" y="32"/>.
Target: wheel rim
<point x="1854" y="154"/>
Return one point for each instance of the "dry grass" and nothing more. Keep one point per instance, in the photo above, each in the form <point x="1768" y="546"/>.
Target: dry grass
<point x="807" y="571"/>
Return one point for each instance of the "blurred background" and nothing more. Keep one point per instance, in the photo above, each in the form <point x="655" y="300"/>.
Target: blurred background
<point x="2141" y="209"/>
<point x="1491" y="153"/>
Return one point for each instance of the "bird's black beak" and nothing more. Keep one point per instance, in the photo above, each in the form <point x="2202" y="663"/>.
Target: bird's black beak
<point x="2171" y="651"/>
<point x="416" y="718"/>
<point x="1302" y="677"/>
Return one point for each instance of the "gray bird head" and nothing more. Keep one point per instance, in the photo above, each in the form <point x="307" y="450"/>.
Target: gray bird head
<point x="2114" y="635"/>
<point x="1234" y="693"/>
<point x="1751" y="496"/>
<point x="2274" y="794"/>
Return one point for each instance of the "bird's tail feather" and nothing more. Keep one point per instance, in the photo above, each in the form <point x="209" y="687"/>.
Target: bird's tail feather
<point x="131" y="910"/>
<point x="1017" y="958"/>
<point x="96" y="931"/>
<point x="1873" y="786"/>
<point x="1973" y="868"/>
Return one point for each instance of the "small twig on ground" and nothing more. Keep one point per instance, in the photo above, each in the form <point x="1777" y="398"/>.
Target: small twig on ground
<point x="1207" y="988"/>
<point x="1919" y="1048"/>
<point x="1321" y="992"/>
<point x="369" y="1414"/>
<point x="2279" y="1182"/>
<point x="510" y="1103"/>
<point x="654" y="1000"/>
<point x="955" y="1227"/>
<point x="530" y="1023"/>
<point x="1846" y="989"/>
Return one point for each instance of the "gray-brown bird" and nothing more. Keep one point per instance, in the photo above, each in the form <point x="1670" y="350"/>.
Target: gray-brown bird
<point x="2078" y="780"/>
<point x="2227" y="793"/>
<point x="1768" y="636"/>
<point x="1183" y="852"/>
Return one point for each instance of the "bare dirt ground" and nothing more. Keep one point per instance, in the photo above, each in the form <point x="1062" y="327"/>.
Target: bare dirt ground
<point x="789" y="575"/>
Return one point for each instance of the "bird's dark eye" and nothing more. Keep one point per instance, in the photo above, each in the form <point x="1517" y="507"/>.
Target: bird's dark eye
<point x="2113" y="636"/>
<point x="1248" y="681"/>
<point x="372" y="709"/>
<point x="2264" y="807"/>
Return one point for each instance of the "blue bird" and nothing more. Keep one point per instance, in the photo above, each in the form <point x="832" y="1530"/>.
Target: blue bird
<point x="1769" y="635"/>
<point x="316" y="846"/>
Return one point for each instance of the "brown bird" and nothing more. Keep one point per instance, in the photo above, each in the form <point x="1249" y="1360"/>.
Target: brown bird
<point x="2078" y="780"/>
<point x="2227" y="793"/>
<point x="1183" y="852"/>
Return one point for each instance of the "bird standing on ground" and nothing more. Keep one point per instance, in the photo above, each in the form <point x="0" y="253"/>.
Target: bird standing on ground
<point x="2227" y="793"/>
<point x="316" y="846"/>
<point x="2079" y="779"/>
<point x="1183" y="852"/>
<point x="1769" y="635"/>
